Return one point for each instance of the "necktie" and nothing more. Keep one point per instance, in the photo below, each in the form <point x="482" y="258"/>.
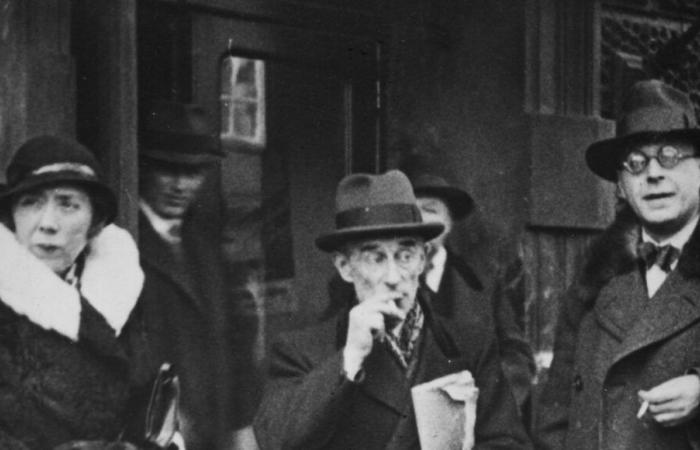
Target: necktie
<point x="175" y="231"/>
<point x="662" y="256"/>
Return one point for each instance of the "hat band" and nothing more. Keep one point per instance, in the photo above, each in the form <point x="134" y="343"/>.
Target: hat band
<point x="78" y="168"/>
<point x="388" y="214"/>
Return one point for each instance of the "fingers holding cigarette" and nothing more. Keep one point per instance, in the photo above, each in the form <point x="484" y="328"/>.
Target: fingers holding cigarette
<point x="643" y="409"/>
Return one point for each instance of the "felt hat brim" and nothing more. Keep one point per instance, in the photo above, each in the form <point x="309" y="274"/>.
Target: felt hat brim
<point x="333" y="240"/>
<point x="604" y="157"/>
<point x="459" y="202"/>
<point x="94" y="187"/>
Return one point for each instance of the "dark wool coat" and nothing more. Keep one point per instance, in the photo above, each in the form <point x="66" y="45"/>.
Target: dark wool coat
<point x="180" y="301"/>
<point x="495" y="301"/>
<point x="54" y="390"/>
<point x="309" y="404"/>
<point x="612" y="341"/>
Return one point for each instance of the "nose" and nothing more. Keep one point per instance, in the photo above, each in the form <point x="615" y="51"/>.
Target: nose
<point x="180" y="182"/>
<point x="654" y="170"/>
<point x="48" y="219"/>
<point x="392" y="277"/>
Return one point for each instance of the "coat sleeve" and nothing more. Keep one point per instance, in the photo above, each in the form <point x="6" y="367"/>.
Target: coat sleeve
<point x="553" y="409"/>
<point x="498" y="425"/>
<point x="302" y="402"/>
<point x="509" y="311"/>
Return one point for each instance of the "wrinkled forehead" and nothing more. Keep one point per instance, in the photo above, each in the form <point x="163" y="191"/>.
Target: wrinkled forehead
<point x="384" y="244"/>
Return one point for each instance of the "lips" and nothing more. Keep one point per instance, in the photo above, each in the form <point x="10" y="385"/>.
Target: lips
<point x="658" y="196"/>
<point x="47" y="249"/>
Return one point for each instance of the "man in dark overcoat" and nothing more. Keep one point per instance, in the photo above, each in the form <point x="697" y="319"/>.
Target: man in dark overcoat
<point x="627" y="349"/>
<point x="468" y="293"/>
<point x="190" y="320"/>
<point x="345" y="383"/>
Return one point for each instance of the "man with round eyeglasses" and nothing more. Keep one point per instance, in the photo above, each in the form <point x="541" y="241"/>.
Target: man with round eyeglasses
<point x="626" y="368"/>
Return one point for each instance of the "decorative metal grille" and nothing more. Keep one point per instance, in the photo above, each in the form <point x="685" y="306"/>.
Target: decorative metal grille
<point x="639" y="28"/>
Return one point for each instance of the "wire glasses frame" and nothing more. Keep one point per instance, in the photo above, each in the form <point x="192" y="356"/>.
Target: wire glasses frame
<point x="667" y="156"/>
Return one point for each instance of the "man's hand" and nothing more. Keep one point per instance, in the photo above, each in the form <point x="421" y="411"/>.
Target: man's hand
<point x="367" y="322"/>
<point x="675" y="401"/>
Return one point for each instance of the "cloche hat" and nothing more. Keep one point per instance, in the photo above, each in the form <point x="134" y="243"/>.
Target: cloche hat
<point x="45" y="160"/>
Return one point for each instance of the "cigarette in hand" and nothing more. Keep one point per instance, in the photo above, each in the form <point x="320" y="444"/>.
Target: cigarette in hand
<point x="643" y="409"/>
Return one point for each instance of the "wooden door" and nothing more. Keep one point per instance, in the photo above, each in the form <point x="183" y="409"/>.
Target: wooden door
<point x="277" y="189"/>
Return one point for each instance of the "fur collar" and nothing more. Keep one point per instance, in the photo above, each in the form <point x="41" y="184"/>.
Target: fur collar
<point x="615" y="252"/>
<point x="111" y="282"/>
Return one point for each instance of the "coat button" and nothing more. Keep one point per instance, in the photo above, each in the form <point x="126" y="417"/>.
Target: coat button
<point x="578" y="383"/>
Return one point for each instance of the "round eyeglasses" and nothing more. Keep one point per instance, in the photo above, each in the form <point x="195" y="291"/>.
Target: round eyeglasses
<point x="667" y="156"/>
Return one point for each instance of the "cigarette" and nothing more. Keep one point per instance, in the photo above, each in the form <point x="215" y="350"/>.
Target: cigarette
<point x="643" y="409"/>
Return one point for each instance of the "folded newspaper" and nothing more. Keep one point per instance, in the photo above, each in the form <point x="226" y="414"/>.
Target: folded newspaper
<point x="445" y="411"/>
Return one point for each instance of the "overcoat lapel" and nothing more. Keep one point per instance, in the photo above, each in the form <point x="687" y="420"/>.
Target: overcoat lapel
<point x="674" y="307"/>
<point x="385" y="380"/>
<point x="156" y="253"/>
<point x="620" y="304"/>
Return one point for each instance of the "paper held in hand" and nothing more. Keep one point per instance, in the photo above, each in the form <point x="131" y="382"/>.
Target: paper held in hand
<point x="445" y="411"/>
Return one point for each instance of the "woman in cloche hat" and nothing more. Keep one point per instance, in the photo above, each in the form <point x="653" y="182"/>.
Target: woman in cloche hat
<point x="68" y="283"/>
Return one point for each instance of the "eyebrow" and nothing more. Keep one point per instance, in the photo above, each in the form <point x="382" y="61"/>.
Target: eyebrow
<point x="370" y="246"/>
<point x="408" y="242"/>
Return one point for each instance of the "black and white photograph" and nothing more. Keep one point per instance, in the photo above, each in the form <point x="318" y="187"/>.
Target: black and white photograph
<point x="349" y="225"/>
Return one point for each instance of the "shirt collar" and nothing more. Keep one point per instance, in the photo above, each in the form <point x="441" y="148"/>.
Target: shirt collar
<point x="678" y="240"/>
<point x="160" y="224"/>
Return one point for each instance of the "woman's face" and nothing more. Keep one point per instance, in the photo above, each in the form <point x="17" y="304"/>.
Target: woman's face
<point x="53" y="224"/>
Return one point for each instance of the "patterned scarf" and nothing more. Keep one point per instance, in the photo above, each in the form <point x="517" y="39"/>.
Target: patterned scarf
<point x="403" y="344"/>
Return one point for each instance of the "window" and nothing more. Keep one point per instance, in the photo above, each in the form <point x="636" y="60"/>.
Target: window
<point x="243" y="100"/>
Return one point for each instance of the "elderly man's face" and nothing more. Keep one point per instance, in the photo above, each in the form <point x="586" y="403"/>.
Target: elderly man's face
<point x="382" y="269"/>
<point x="170" y="188"/>
<point x="664" y="198"/>
<point x="434" y="209"/>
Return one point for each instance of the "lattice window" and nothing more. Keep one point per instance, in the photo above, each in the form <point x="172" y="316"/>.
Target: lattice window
<point x="634" y="30"/>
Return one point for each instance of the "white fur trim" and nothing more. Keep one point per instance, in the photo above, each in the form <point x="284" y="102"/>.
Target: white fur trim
<point x="31" y="289"/>
<point x="112" y="279"/>
<point x="111" y="282"/>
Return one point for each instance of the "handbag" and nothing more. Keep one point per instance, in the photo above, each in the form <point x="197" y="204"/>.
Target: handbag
<point x="163" y="405"/>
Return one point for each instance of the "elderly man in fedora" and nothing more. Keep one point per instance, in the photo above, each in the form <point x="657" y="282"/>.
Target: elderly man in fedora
<point x="345" y="383"/>
<point x="492" y="294"/>
<point x="627" y="350"/>
<point x="190" y="319"/>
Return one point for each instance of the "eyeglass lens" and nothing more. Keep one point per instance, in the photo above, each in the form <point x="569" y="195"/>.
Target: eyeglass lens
<point x="668" y="157"/>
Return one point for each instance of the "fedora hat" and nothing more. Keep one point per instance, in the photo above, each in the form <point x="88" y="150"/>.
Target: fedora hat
<point x="177" y="133"/>
<point x="428" y="179"/>
<point x="428" y="184"/>
<point x="46" y="160"/>
<point x="376" y="205"/>
<point x="652" y="111"/>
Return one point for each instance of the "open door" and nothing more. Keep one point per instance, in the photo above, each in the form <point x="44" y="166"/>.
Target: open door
<point x="298" y="110"/>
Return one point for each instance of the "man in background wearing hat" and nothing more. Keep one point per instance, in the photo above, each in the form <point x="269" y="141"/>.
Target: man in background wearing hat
<point x="190" y="319"/>
<point x="345" y="383"/>
<point x="627" y="352"/>
<point x="463" y="291"/>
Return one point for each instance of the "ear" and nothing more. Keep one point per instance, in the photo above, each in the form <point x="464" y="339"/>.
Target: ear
<point x="342" y="265"/>
<point x="619" y="191"/>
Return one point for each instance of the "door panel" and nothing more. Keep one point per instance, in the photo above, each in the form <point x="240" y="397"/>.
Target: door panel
<point x="320" y="123"/>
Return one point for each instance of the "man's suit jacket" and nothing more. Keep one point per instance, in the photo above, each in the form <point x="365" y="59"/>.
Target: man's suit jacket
<point x="190" y="322"/>
<point x="497" y="300"/>
<point x="309" y="404"/>
<point x="612" y="341"/>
